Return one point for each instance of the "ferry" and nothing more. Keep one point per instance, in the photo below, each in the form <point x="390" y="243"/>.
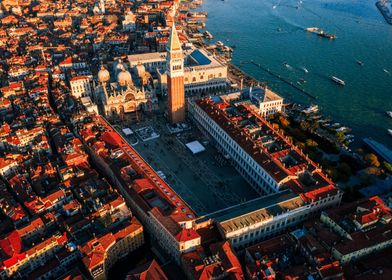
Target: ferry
<point x="389" y="113"/>
<point x="338" y="81"/>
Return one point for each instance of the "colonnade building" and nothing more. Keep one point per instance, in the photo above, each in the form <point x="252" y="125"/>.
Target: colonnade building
<point x="291" y="186"/>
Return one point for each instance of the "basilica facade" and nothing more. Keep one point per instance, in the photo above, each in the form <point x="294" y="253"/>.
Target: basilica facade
<point x="119" y="95"/>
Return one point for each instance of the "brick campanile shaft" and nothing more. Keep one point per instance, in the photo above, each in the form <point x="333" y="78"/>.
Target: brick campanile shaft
<point x="175" y="78"/>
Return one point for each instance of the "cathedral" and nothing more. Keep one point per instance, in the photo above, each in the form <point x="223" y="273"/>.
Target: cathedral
<point x="118" y="95"/>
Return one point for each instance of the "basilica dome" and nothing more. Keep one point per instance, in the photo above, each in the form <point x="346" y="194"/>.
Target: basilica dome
<point x="124" y="78"/>
<point x="103" y="75"/>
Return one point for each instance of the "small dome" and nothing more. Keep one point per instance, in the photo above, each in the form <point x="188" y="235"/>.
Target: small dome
<point x="124" y="78"/>
<point x="119" y="66"/>
<point x="103" y="75"/>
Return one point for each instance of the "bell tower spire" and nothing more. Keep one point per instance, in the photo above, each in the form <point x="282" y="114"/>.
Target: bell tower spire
<point x="175" y="78"/>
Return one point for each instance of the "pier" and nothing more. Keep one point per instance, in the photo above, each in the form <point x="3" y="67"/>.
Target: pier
<point x="280" y="78"/>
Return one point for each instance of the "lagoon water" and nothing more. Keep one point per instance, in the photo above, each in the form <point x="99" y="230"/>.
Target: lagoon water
<point x="271" y="32"/>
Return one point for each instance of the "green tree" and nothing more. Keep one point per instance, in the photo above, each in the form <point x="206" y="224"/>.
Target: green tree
<point x="344" y="171"/>
<point x="284" y="121"/>
<point x="387" y="166"/>
<point x="341" y="137"/>
<point x="298" y="134"/>
<point x="275" y="125"/>
<point x="305" y="125"/>
<point x="311" y="144"/>
<point x="372" y="160"/>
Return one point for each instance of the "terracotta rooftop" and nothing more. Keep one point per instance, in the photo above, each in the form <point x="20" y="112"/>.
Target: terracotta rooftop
<point x="282" y="160"/>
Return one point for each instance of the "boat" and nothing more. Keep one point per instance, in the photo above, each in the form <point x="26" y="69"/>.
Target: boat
<point x="360" y="63"/>
<point x="321" y="33"/>
<point x="343" y="129"/>
<point x="338" y="81"/>
<point x="198" y="14"/>
<point x="285" y="64"/>
<point x="311" y="109"/>
<point x="335" y="125"/>
<point x="305" y="70"/>
<point x="389" y="113"/>
<point x="390" y="131"/>
<point x="208" y="35"/>
<point x="219" y="44"/>
<point x="386" y="71"/>
<point x="326" y="35"/>
<point x="312" y="29"/>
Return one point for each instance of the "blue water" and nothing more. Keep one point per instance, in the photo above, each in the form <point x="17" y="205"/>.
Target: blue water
<point x="362" y="34"/>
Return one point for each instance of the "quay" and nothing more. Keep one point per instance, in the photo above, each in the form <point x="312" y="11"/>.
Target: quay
<point x="387" y="14"/>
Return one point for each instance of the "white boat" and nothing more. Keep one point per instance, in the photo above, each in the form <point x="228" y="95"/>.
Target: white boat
<point x="386" y="71"/>
<point x="285" y="64"/>
<point x="311" y="109"/>
<point x="390" y="131"/>
<point x="219" y="44"/>
<point x="335" y="125"/>
<point x="305" y="70"/>
<point x="338" y="81"/>
<point x="389" y="113"/>
<point x="342" y="129"/>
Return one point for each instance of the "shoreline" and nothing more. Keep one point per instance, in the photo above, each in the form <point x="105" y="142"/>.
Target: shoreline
<point x="241" y="79"/>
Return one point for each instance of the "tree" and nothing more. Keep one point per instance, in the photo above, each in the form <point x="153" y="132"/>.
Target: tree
<point x="387" y="166"/>
<point x="372" y="160"/>
<point x="305" y="125"/>
<point x="311" y="144"/>
<point x="345" y="171"/>
<point x="283" y="121"/>
<point x="341" y="137"/>
<point x="300" y="145"/>
<point x="298" y="134"/>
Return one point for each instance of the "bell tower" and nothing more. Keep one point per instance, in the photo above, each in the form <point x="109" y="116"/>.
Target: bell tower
<point x="175" y="78"/>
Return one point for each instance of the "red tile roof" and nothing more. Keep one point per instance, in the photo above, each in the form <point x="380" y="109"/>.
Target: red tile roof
<point x="187" y="235"/>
